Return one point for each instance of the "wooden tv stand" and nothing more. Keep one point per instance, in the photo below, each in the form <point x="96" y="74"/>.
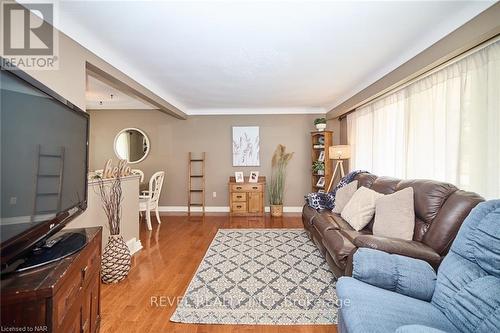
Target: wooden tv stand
<point x="60" y="297"/>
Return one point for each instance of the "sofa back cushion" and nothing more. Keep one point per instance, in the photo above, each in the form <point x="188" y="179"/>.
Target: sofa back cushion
<point x="468" y="283"/>
<point x="365" y="179"/>
<point x="445" y="226"/>
<point x="430" y="196"/>
<point x="440" y="208"/>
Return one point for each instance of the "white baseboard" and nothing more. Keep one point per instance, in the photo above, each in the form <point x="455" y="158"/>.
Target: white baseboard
<point x="208" y="209"/>
<point x="221" y="209"/>
<point x="134" y="245"/>
<point x="286" y="209"/>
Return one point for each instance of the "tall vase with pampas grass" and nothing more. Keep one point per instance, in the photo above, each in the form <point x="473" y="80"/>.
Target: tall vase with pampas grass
<point x="276" y="187"/>
<point x="116" y="258"/>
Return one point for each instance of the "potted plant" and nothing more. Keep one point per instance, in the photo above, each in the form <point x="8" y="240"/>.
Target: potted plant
<point x="116" y="257"/>
<point x="276" y="187"/>
<point x="318" y="168"/>
<point x="320" y="124"/>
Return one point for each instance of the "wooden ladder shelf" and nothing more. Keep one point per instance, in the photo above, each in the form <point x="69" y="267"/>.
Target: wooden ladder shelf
<point x="198" y="186"/>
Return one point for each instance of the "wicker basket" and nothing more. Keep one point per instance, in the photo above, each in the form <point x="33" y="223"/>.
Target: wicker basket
<point x="115" y="260"/>
<point x="276" y="210"/>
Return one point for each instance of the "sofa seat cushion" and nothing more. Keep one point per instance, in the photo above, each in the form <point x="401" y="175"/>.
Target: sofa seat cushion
<point x="339" y="245"/>
<point x="365" y="308"/>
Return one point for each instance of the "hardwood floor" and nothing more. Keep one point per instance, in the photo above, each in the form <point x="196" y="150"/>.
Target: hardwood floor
<point x="165" y="266"/>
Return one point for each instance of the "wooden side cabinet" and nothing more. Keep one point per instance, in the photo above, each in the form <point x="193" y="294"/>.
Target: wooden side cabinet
<point x="62" y="297"/>
<point x="247" y="199"/>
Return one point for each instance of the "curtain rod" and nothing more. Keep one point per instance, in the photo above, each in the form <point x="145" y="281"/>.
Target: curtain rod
<point x="427" y="73"/>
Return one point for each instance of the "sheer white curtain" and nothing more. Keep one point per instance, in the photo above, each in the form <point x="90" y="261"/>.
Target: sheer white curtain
<point x="445" y="126"/>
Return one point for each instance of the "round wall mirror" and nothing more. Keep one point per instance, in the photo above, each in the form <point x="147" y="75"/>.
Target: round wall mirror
<point x="132" y="145"/>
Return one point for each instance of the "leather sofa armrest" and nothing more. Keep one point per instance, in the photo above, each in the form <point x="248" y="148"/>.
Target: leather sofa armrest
<point x="407" y="276"/>
<point x="402" y="247"/>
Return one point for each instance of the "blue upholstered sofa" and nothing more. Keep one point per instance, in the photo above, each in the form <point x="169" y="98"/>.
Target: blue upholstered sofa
<point x="392" y="293"/>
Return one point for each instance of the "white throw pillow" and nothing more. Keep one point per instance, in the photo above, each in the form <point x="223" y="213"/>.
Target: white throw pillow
<point x="395" y="215"/>
<point x="360" y="209"/>
<point x="343" y="195"/>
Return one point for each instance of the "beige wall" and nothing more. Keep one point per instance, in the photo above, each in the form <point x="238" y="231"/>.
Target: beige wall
<point x="69" y="81"/>
<point x="172" y="139"/>
<point x="70" y="78"/>
<point x="94" y="216"/>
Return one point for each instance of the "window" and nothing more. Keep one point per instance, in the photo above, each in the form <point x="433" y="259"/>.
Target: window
<point x="444" y="126"/>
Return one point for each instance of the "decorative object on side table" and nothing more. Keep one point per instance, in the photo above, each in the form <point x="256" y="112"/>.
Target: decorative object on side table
<point x="276" y="188"/>
<point x="339" y="153"/>
<point x="254" y="177"/>
<point x="320" y="124"/>
<point x="238" y="175"/>
<point x="116" y="257"/>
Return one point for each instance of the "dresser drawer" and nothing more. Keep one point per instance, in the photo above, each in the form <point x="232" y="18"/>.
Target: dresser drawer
<point x="239" y="197"/>
<point x="69" y="292"/>
<point x="239" y="207"/>
<point x="247" y="188"/>
<point x="93" y="262"/>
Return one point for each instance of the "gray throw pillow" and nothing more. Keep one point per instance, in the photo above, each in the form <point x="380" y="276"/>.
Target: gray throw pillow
<point x="395" y="215"/>
<point x="360" y="209"/>
<point x="343" y="195"/>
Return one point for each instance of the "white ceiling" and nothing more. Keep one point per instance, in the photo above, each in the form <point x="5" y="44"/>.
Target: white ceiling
<point x="228" y="57"/>
<point x="101" y="96"/>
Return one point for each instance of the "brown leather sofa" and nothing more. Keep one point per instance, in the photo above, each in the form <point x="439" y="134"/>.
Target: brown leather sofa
<point x="440" y="209"/>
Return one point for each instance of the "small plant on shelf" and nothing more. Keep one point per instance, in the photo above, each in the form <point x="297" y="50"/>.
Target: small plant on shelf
<point x="320" y="124"/>
<point x="318" y="167"/>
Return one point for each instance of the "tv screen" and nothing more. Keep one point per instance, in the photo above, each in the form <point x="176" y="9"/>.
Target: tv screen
<point x="43" y="163"/>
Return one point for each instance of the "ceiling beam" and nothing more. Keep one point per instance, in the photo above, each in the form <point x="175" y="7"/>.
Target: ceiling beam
<point x="148" y="97"/>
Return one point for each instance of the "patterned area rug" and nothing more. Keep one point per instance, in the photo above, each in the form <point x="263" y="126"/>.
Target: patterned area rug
<point x="260" y="276"/>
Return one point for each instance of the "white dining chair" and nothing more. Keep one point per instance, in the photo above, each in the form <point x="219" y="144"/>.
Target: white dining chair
<point x="140" y="173"/>
<point x="148" y="201"/>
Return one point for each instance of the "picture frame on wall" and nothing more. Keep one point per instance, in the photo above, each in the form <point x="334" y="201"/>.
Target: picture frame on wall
<point x="321" y="157"/>
<point x="321" y="182"/>
<point x="246" y="146"/>
<point x="254" y="177"/>
<point x="238" y="175"/>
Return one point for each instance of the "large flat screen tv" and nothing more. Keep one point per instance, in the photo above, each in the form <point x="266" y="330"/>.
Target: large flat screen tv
<point x="44" y="152"/>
